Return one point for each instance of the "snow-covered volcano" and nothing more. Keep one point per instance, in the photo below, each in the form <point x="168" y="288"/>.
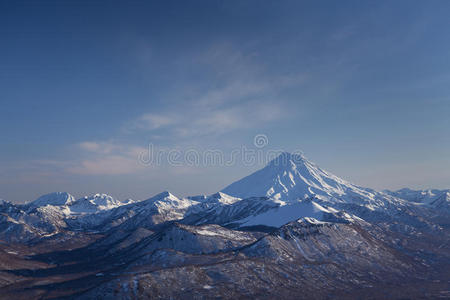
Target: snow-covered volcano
<point x="291" y="177"/>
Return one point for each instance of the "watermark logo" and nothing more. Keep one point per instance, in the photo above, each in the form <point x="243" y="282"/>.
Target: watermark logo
<point x="260" y="141"/>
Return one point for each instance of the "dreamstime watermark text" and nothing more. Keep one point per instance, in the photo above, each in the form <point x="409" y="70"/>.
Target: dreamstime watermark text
<point x="194" y="157"/>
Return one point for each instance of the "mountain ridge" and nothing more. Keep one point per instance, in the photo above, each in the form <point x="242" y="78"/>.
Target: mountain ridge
<point x="308" y="233"/>
<point x="271" y="196"/>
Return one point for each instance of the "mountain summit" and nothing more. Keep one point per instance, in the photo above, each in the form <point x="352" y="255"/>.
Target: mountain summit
<point x="291" y="177"/>
<point x="56" y="199"/>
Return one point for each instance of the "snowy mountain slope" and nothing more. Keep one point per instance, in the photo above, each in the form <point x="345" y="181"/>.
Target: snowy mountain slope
<point x="195" y="239"/>
<point x="291" y="177"/>
<point x="50" y="214"/>
<point x="94" y="204"/>
<point x="315" y="241"/>
<point x="284" y="214"/>
<point x="227" y="214"/>
<point x="434" y="198"/>
<point x="55" y="199"/>
<point x="66" y="204"/>
<point x="19" y="225"/>
<point x="419" y="196"/>
<point x="305" y="257"/>
<point x="217" y="198"/>
<point x="158" y="209"/>
<point x="12" y="230"/>
<point x="218" y="208"/>
<point x="149" y="213"/>
<point x="262" y="211"/>
<point x="101" y="212"/>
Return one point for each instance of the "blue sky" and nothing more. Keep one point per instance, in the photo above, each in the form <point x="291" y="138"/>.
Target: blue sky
<point x="361" y="87"/>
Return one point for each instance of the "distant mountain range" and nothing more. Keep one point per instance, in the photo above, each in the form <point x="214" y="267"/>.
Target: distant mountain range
<point x="288" y="230"/>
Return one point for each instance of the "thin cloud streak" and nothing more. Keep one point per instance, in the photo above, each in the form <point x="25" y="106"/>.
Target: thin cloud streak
<point x="242" y="94"/>
<point x="107" y="158"/>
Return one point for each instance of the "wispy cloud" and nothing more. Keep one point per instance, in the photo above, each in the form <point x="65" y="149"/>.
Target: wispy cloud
<point x="204" y="120"/>
<point x="108" y="165"/>
<point x="98" y="147"/>
<point x="240" y="94"/>
<point x="107" y="158"/>
<point x="216" y="121"/>
<point x="151" y="121"/>
<point x="200" y="120"/>
<point x="244" y="97"/>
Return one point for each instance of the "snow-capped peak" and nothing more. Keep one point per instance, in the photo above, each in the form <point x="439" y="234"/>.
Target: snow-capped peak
<point x="163" y="195"/>
<point x="219" y="198"/>
<point x="290" y="177"/>
<point x="102" y="200"/>
<point x="94" y="203"/>
<point x="433" y="197"/>
<point x="223" y="198"/>
<point x="167" y="201"/>
<point x="55" y="199"/>
<point x="286" y="159"/>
